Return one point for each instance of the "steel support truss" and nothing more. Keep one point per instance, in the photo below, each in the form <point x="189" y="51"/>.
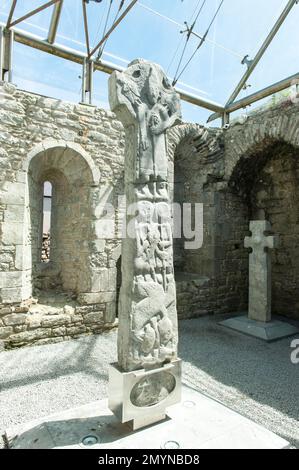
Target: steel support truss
<point x="87" y="80"/>
<point x="231" y="104"/>
<point x="9" y="34"/>
<point x="55" y="22"/>
<point x="6" y="54"/>
<point x="103" y="66"/>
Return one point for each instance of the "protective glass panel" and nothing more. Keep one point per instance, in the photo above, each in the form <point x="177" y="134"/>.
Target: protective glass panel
<point x="231" y="29"/>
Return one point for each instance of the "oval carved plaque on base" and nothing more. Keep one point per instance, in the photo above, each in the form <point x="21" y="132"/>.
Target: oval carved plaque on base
<point x="153" y="389"/>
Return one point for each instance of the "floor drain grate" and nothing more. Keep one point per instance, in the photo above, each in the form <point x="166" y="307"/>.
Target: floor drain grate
<point x="189" y="404"/>
<point x="171" y="445"/>
<point x="90" y="440"/>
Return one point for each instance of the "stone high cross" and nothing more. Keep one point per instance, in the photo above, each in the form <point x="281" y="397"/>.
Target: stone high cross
<point x="148" y="370"/>
<point x="260" y="270"/>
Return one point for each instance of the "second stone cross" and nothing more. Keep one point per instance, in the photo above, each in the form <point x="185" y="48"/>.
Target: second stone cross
<point x="260" y="282"/>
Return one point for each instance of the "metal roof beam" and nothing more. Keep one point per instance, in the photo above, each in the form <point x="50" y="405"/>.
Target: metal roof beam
<point x="55" y="22"/>
<point x="6" y="53"/>
<point x="262" y="50"/>
<point x="33" y="12"/>
<point x="58" y="50"/>
<point x="86" y="26"/>
<point x="264" y="93"/>
<point x="64" y="52"/>
<point x="215" y="115"/>
<point x="115" y="24"/>
<point x="259" y="95"/>
<point x="202" y="102"/>
<point x="11" y="12"/>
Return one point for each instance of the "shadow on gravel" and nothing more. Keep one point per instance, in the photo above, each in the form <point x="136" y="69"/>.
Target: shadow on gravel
<point x="74" y="357"/>
<point x="258" y="370"/>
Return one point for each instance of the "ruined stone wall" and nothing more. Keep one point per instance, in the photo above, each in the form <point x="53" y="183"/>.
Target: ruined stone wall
<point x="43" y="324"/>
<point x="275" y="197"/>
<point x="247" y="171"/>
<point x="46" y="247"/>
<point x="196" y="155"/>
<point x="261" y="173"/>
<point x="44" y="139"/>
<point x="79" y="148"/>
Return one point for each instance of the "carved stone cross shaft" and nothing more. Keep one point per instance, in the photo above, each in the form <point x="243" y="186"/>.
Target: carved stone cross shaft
<point x="260" y="270"/>
<point x="146" y="379"/>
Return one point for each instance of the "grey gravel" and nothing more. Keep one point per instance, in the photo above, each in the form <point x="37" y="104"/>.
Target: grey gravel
<point x="252" y="377"/>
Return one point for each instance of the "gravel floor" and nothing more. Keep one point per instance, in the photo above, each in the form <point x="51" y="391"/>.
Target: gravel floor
<point x="252" y="377"/>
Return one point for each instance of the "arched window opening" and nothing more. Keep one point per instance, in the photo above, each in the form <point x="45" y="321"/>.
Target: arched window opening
<point x="61" y="222"/>
<point x="46" y="227"/>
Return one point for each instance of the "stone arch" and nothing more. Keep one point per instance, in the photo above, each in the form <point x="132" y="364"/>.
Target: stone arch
<point x="177" y="134"/>
<point x="51" y="144"/>
<point x="178" y="138"/>
<point x="74" y="180"/>
<point x="258" y="132"/>
<point x="195" y="153"/>
<point x="249" y="165"/>
<point x="263" y="184"/>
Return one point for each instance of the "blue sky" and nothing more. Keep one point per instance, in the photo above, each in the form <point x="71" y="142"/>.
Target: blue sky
<point x="240" y="29"/>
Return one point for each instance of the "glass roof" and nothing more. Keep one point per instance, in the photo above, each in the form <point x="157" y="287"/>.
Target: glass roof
<point x="152" y="30"/>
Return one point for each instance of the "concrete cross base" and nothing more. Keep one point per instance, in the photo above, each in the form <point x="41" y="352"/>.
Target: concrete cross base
<point x="270" y="331"/>
<point x="198" y="422"/>
<point x="143" y="396"/>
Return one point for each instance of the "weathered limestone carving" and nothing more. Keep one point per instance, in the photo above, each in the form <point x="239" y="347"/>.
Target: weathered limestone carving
<point x="260" y="270"/>
<point x="152" y="390"/>
<point x="147" y="105"/>
<point x="259" y="323"/>
<point x="154" y="335"/>
<point x="142" y="96"/>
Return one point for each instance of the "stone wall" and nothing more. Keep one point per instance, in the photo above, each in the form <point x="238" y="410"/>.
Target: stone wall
<point x="40" y="324"/>
<point x="46" y="247"/>
<point x="196" y="155"/>
<point x="275" y="197"/>
<point x="209" y="278"/>
<point x="261" y="162"/>
<point x="249" y="170"/>
<point x="245" y="172"/>
<point x="79" y="149"/>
